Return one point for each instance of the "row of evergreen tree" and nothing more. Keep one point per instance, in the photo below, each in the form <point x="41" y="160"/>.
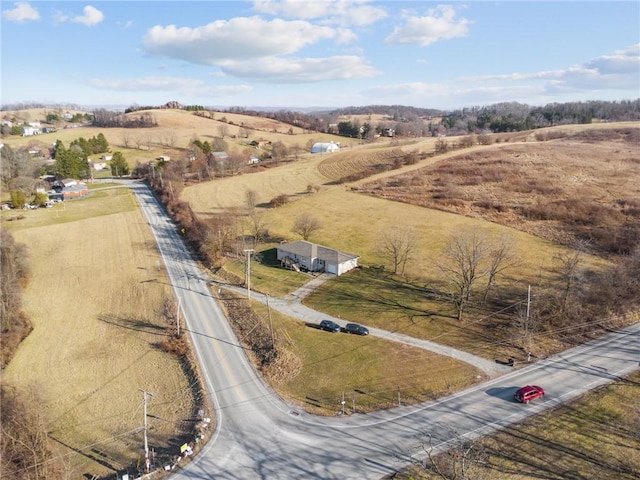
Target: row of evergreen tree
<point x="73" y="162"/>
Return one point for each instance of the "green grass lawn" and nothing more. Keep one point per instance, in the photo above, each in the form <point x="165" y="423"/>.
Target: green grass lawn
<point x="97" y="203"/>
<point x="391" y="303"/>
<point x="370" y="372"/>
<point x="266" y="275"/>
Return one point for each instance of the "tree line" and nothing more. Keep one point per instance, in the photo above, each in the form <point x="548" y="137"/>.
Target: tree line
<point x="499" y="117"/>
<point x="24" y="450"/>
<point x="109" y="119"/>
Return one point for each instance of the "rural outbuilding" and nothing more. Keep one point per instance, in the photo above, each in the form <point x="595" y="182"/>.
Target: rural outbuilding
<point x="303" y="255"/>
<point x="327" y="147"/>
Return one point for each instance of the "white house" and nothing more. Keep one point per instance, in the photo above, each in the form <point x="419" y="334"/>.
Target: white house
<point x="28" y="131"/>
<point x="106" y="157"/>
<point x="98" y="165"/>
<point x="303" y="255"/>
<point x="326" y="147"/>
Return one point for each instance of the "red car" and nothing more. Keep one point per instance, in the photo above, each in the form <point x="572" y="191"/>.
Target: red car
<point x="528" y="393"/>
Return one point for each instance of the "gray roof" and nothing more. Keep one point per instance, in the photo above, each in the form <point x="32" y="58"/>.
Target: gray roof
<point x="312" y="250"/>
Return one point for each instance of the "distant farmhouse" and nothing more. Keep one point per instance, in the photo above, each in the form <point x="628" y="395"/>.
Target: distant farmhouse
<point x="67" y="189"/>
<point x="29" y="131"/>
<point x="307" y="256"/>
<point x="97" y="166"/>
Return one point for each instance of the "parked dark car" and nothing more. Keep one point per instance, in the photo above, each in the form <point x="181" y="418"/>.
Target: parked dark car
<point x="329" y="326"/>
<point x="528" y="393"/>
<point x="356" y="329"/>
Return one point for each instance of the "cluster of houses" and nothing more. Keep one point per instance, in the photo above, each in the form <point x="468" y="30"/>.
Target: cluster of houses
<point x="59" y="191"/>
<point x="65" y="189"/>
<point x="29" y="129"/>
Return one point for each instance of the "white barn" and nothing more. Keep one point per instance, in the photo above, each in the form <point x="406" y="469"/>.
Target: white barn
<point x="316" y="258"/>
<point x="326" y="147"/>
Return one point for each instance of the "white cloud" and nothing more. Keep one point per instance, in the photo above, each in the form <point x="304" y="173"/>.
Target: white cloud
<point x="59" y="17"/>
<point x="440" y="23"/>
<point x="91" y="16"/>
<point x="339" y="12"/>
<point x="184" y="86"/>
<point x="615" y="72"/>
<point x="300" y="70"/>
<point x="619" y="62"/>
<point x="618" y="71"/>
<point x="146" y="83"/>
<point x="241" y="38"/>
<point x="21" y="12"/>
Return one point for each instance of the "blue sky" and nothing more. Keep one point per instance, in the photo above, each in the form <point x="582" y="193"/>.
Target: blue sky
<point x="322" y="53"/>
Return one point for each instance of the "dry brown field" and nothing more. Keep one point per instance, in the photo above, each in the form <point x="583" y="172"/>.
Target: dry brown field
<point x="121" y="290"/>
<point x="95" y="298"/>
<point x="352" y="221"/>
<point x="585" y="186"/>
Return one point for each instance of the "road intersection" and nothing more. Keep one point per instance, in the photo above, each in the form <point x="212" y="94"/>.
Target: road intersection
<point x="259" y="436"/>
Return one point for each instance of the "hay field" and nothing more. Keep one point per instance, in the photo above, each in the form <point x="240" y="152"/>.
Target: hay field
<point x="290" y="179"/>
<point x="95" y="297"/>
<point x="352" y="222"/>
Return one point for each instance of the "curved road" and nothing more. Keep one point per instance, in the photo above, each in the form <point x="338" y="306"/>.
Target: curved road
<point x="258" y="436"/>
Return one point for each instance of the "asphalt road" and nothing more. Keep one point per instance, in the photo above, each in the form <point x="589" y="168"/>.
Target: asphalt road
<point x="258" y="436"/>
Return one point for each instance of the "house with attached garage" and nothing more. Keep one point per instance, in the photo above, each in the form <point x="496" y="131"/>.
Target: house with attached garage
<point x="307" y="256"/>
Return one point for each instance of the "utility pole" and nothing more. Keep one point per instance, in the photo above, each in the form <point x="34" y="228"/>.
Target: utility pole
<point x="248" y="251"/>
<point x="178" y="317"/>
<point x="273" y="340"/>
<point x="147" y="463"/>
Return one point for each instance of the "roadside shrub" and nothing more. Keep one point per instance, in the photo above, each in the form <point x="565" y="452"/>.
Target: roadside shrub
<point x="468" y="141"/>
<point x="442" y="146"/>
<point x="279" y="201"/>
<point x="411" y="158"/>
<point x="485" y="139"/>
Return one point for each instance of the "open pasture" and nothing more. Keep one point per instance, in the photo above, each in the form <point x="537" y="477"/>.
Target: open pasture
<point x="583" y="186"/>
<point x="95" y="300"/>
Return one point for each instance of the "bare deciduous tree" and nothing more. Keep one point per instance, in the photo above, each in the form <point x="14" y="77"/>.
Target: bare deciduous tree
<point x="442" y="146"/>
<point x="462" y="265"/>
<point x="24" y="450"/>
<point x="462" y="461"/>
<point x="527" y="322"/>
<point x="567" y="268"/>
<point x="305" y="225"/>
<point x="170" y="138"/>
<point x="243" y="132"/>
<point x="148" y="140"/>
<point x="397" y="246"/>
<point x="251" y="199"/>
<point x="501" y="257"/>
